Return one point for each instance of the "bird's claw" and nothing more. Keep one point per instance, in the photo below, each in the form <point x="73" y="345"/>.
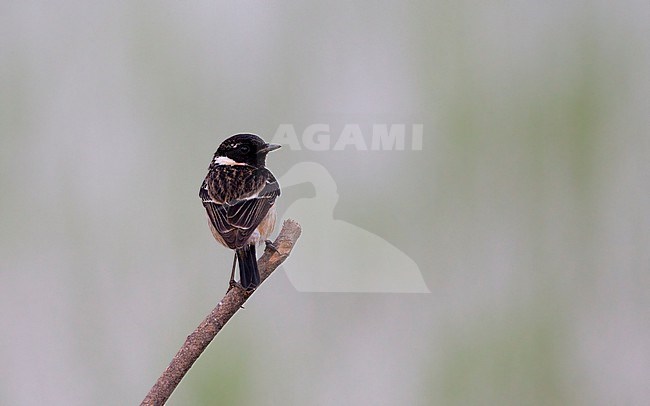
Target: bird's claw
<point x="269" y="244"/>
<point x="234" y="284"/>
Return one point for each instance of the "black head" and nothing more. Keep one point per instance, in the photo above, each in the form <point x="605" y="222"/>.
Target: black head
<point x="244" y="149"/>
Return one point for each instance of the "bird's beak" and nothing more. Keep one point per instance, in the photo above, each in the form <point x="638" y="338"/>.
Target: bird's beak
<point x="269" y="148"/>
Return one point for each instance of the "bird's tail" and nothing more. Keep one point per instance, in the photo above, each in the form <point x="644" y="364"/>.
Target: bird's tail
<point x="249" y="275"/>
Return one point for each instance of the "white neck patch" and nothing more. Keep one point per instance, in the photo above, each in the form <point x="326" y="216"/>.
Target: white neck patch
<point x="224" y="160"/>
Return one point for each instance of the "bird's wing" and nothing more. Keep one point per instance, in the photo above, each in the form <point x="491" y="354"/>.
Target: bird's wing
<point x="236" y="217"/>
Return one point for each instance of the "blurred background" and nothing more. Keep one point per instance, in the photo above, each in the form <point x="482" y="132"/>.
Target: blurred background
<point x="527" y="209"/>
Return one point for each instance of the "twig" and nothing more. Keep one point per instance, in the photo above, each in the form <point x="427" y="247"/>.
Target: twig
<point x="214" y="322"/>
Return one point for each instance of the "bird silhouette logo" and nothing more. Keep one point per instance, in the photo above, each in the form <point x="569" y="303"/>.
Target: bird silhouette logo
<point x="337" y="256"/>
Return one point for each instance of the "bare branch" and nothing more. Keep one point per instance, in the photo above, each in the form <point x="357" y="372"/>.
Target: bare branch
<point x="214" y="322"/>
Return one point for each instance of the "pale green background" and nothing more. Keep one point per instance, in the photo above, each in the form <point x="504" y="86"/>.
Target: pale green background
<point x="528" y="209"/>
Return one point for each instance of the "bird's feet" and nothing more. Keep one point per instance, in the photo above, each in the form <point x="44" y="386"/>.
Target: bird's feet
<point x="270" y="245"/>
<point x="234" y="284"/>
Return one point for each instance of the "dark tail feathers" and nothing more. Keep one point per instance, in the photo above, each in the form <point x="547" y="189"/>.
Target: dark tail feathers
<point x="249" y="275"/>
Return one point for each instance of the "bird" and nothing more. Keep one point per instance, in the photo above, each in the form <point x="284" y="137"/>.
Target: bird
<point x="239" y="195"/>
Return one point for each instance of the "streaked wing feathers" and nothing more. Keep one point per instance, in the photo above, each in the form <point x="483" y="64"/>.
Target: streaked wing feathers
<point x="235" y="216"/>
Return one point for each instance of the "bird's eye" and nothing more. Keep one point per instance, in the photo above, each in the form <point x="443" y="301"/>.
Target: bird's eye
<point x="244" y="149"/>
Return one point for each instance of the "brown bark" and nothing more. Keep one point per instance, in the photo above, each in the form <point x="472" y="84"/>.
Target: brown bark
<point x="196" y="342"/>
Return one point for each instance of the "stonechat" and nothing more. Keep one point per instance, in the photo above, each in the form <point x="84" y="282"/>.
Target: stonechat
<point x="239" y="196"/>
